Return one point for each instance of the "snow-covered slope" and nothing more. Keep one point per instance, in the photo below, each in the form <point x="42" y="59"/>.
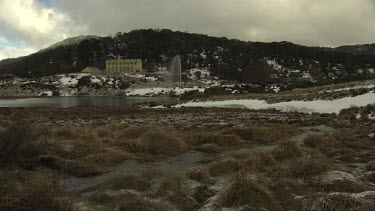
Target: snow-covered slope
<point x="70" y="41"/>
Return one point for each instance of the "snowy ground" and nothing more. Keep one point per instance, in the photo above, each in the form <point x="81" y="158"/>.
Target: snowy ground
<point x="318" y="106"/>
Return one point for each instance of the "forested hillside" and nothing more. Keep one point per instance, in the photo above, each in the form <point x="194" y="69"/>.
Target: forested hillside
<point x="236" y="60"/>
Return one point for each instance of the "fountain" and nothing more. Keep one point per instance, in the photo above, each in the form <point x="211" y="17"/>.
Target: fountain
<point x="175" y="69"/>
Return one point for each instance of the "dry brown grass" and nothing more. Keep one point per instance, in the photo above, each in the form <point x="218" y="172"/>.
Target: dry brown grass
<point x="223" y="140"/>
<point x="104" y="132"/>
<point x="286" y="189"/>
<point x="13" y="140"/>
<point x="66" y="132"/>
<point x="307" y="167"/>
<point x="331" y="202"/>
<point x="143" y="204"/>
<point x="318" y="141"/>
<point x="159" y="141"/>
<point x="128" y="180"/>
<point x="209" y="148"/>
<point x="110" y="156"/>
<point x="263" y="133"/>
<point x="199" y="174"/>
<point x="287" y="150"/>
<point x="224" y="166"/>
<point x="155" y="141"/>
<point x="132" y="132"/>
<point x="259" y="161"/>
<point x="248" y="189"/>
<point x="78" y="169"/>
<point x="33" y="191"/>
<point x="347" y="184"/>
<point x="174" y="189"/>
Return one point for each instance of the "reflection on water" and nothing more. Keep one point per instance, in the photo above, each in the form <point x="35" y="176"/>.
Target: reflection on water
<point x="65" y="102"/>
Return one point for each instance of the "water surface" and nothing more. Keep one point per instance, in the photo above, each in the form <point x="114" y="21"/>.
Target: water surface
<point x="65" y="102"/>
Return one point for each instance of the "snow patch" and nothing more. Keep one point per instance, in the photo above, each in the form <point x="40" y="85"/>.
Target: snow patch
<point x="318" y="106"/>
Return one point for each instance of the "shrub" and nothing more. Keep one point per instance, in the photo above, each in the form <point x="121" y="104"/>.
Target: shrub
<point x="84" y="81"/>
<point x="191" y="95"/>
<point x="124" y="85"/>
<point x="217" y="90"/>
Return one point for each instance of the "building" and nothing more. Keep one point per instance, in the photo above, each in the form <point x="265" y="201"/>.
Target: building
<point x="91" y="70"/>
<point x="130" y="66"/>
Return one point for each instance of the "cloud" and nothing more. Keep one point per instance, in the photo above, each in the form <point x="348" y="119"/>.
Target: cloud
<point x="307" y="22"/>
<point x="10" y="51"/>
<point x="29" y="24"/>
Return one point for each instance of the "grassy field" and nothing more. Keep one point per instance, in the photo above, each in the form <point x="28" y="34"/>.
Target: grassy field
<point x="207" y="159"/>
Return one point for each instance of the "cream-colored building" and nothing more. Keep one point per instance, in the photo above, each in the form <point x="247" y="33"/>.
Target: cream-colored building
<point x="131" y="66"/>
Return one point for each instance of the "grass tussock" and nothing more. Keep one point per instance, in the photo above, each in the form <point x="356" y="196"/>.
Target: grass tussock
<point x="128" y="180"/>
<point x="104" y="132"/>
<point x="33" y="191"/>
<point x="12" y="140"/>
<point x="222" y="140"/>
<point x="263" y="134"/>
<point x="248" y="189"/>
<point x="155" y="141"/>
<point x="308" y="167"/>
<point x="338" y="181"/>
<point x="318" y="202"/>
<point x="66" y="132"/>
<point x="318" y="141"/>
<point x="79" y="169"/>
<point x="199" y="174"/>
<point x="18" y="144"/>
<point x="158" y="141"/>
<point x="174" y="189"/>
<point x="132" y="132"/>
<point x="224" y="166"/>
<point x="259" y="161"/>
<point x="287" y="150"/>
<point x="209" y="148"/>
<point x="110" y="156"/>
<point x="143" y="204"/>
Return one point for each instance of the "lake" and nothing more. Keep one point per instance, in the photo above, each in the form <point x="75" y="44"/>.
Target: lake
<point x="65" y="102"/>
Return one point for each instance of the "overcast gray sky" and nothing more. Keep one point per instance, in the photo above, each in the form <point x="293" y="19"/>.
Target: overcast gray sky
<point x="26" y="26"/>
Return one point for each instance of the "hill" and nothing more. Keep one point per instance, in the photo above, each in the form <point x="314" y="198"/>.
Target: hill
<point x="276" y="62"/>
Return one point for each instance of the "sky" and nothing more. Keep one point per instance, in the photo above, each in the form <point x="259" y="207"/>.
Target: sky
<point x="27" y="26"/>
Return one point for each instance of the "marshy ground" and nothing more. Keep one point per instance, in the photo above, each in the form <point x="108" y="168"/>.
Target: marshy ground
<point x="136" y="158"/>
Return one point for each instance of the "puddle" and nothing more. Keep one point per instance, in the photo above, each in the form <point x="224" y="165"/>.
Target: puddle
<point x="179" y="164"/>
